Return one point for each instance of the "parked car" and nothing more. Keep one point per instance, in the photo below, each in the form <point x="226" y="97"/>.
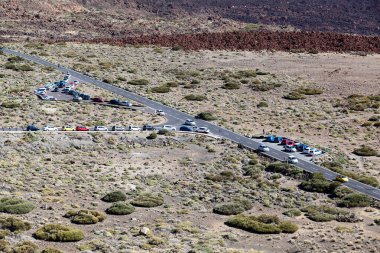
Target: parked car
<point x="203" y="130"/>
<point x="300" y="147"/>
<point x="134" y="128"/>
<point x="341" y="178"/>
<point x="73" y="92"/>
<point x="306" y="150"/>
<point x="277" y="139"/>
<point x="270" y="138"/>
<point x="50" y="98"/>
<point x="118" y="128"/>
<point x="290" y="148"/>
<point x="186" y="128"/>
<point x="32" y="128"/>
<point x="100" y="128"/>
<point x="148" y="128"/>
<point x="126" y="103"/>
<point x="40" y="91"/>
<point x="49" y="86"/>
<point x="50" y="128"/>
<point x="82" y="128"/>
<point x="67" y="128"/>
<point x="98" y="100"/>
<point x="86" y="97"/>
<point x="56" y="89"/>
<point x="76" y="82"/>
<point x="160" y="112"/>
<point x="169" y="127"/>
<point x="292" y="159"/>
<point x="114" y="102"/>
<point x="190" y="122"/>
<point x="284" y="140"/>
<point x="315" y="151"/>
<point x="289" y="142"/>
<point x="66" y="89"/>
<point x="263" y="148"/>
<point x="77" y="99"/>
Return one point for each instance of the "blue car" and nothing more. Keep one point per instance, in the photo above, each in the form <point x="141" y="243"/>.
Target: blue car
<point x="277" y="139"/>
<point x="32" y="128"/>
<point x="270" y="138"/>
<point x="186" y="129"/>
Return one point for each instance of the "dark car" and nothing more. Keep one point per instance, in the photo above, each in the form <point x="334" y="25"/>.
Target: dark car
<point x="56" y="89"/>
<point x="86" y="97"/>
<point x="32" y="128"/>
<point x="98" y="100"/>
<point x="148" y="128"/>
<point x="114" y="102"/>
<point x="186" y="129"/>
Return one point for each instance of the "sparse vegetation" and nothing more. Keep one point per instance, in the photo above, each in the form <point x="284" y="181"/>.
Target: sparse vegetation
<point x="323" y="213"/>
<point x="231" y="85"/>
<point x="160" y="89"/>
<point x="232" y="208"/>
<point x="139" y="82"/>
<point x="293" y="213"/>
<point x="294" y="96"/>
<point x="58" y="233"/>
<point x="285" y="169"/>
<point x="148" y="200"/>
<point x="14" y="224"/>
<point x="318" y="183"/>
<point x="355" y="200"/>
<point x="193" y="97"/>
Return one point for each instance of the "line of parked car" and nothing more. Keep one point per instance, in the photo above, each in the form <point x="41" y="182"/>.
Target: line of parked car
<point x="294" y="146"/>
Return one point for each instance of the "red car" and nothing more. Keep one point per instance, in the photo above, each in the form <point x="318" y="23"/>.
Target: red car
<point x="82" y="128"/>
<point x="289" y="143"/>
<point x="98" y="100"/>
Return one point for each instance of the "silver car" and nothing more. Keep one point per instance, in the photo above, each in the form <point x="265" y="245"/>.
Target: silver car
<point x="100" y="128"/>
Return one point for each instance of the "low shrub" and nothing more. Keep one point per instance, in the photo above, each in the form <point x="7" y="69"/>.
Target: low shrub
<point x="114" y="196"/>
<point x="263" y="224"/>
<point x="318" y="183"/>
<point x="262" y="104"/>
<point x="294" y="96"/>
<point x="5" y="246"/>
<point x="369" y="180"/>
<point x="365" y="151"/>
<point x="160" y="89"/>
<point x="309" y="91"/>
<point x="51" y="250"/>
<point x="120" y="208"/>
<point x="14" y="224"/>
<point x="139" y="82"/>
<point x="292" y="213"/>
<point x="58" y="233"/>
<point x="323" y="213"/>
<point x="25" y="247"/>
<point x="172" y="84"/>
<point x="355" y="200"/>
<point x="163" y="131"/>
<point x="193" y="97"/>
<point x="4" y="233"/>
<point x="148" y="200"/>
<point x="342" y="191"/>
<point x="15" y="206"/>
<point x="85" y="216"/>
<point x="152" y="136"/>
<point x="263" y="86"/>
<point x="15" y="59"/>
<point x="206" y="116"/>
<point x="10" y="104"/>
<point x="285" y="169"/>
<point x="374" y="118"/>
<point x="232" y="208"/>
<point x="231" y="85"/>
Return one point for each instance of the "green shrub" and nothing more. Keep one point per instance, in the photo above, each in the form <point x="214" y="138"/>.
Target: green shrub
<point x="294" y="96"/>
<point x="263" y="224"/>
<point x="114" y="196"/>
<point x="323" y="213"/>
<point x="292" y="213"/>
<point x="25" y="247"/>
<point x="193" y="97"/>
<point x="317" y="183"/>
<point x="120" y="208"/>
<point x="14" y="224"/>
<point x="376" y="124"/>
<point x="148" y="200"/>
<point x="342" y="191"/>
<point x="232" y="208"/>
<point x="152" y="136"/>
<point x="160" y="89"/>
<point x="177" y="48"/>
<point x="10" y="104"/>
<point x="15" y="59"/>
<point x="259" y="86"/>
<point x="4" y="233"/>
<point x="25" y="68"/>
<point x="172" y="84"/>
<point x="309" y="91"/>
<point x="285" y="169"/>
<point x="58" y="233"/>
<point x="231" y="85"/>
<point x="5" y="246"/>
<point x="163" y="131"/>
<point x="51" y="250"/>
<point x="375" y="118"/>
<point x="139" y="82"/>
<point x="85" y="216"/>
<point x="262" y="104"/>
<point x="355" y="200"/>
<point x="369" y="180"/>
<point x="206" y="116"/>
<point x="365" y="151"/>
<point x="15" y="206"/>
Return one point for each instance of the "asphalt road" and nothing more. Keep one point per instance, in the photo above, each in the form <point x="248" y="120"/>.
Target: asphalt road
<point x="176" y="117"/>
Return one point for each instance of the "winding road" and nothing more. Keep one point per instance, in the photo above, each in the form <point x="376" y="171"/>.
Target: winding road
<point x="176" y="117"/>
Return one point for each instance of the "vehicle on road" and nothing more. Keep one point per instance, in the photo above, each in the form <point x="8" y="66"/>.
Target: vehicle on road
<point x="341" y="178"/>
<point x="68" y="128"/>
<point x="203" y="130"/>
<point x="290" y="148"/>
<point x="190" y="122"/>
<point x="134" y="128"/>
<point x="114" y="102"/>
<point x="126" y="103"/>
<point x="186" y="128"/>
<point x="292" y="159"/>
<point x="82" y="128"/>
<point x="40" y="91"/>
<point x="148" y="128"/>
<point x="50" y="128"/>
<point x="160" y="112"/>
<point x="169" y="127"/>
<point x="263" y="148"/>
<point x="32" y="128"/>
<point x="118" y="128"/>
<point x="101" y="128"/>
<point x="98" y="100"/>
<point x="77" y="99"/>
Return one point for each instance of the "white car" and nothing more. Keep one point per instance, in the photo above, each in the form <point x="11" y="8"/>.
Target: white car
<point x="134" y="128"/>
<point x="40" y="91"/>
<point x="190" y="122"/>
<point x="126" y="103"/>
<point x="169" y="127"/>
<point x="263" y="148"/>
<point x="50" y="128"/>
<point x="292" y="159"/>
<point x="76" y="82"/>
<point x="160" y="112"/>
<point x="203" y="130"/>
<point x="100" y="128"/>
<point x="290" y="148"/>
<point x="315" y="151"/>
<point x="306" y="150"/>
